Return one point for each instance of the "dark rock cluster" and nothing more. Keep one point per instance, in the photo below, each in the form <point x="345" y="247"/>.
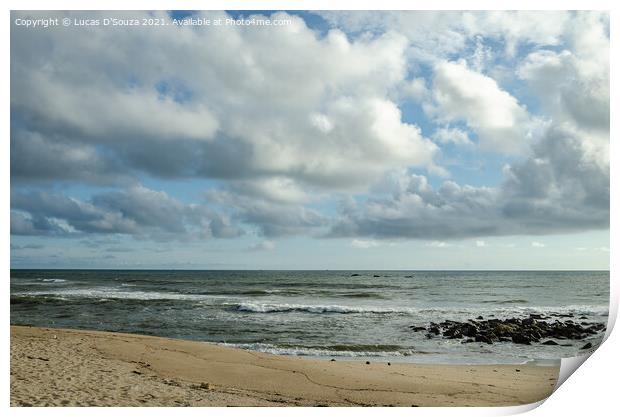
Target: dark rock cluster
<point x="516" y="330"/>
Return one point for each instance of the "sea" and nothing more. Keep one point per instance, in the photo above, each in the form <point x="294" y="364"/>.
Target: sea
<point x="342" y="315"/>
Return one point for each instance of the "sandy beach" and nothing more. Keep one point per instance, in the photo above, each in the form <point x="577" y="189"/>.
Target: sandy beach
<point x="54" y="367"/>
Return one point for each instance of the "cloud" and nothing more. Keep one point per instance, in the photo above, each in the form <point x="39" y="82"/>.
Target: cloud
<point x="538" y="245"/>
<point x="461" y="94"/>
<point x="284" y="139"/>
<point x="563" y="186"/>
<point x="573" y="83"/>
<point x="437" y="35"/>
<point x="137" y="211"/>
<point x="270" y="218"/>
<point x="416" y="210"/>
<point x="265" y="245"/>
<point x="28" y="246"/>
<point x="452" y="135"/>
<point x="364" y="244"/>
<point x="177" y="102"/>
<point x="481" y="244"/>
<point x="438" y="244"/>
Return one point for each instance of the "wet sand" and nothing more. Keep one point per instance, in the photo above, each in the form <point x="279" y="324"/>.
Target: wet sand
<point x="54" y="367"/>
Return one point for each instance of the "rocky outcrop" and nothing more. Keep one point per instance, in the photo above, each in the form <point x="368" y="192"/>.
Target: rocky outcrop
<point x="523" y="331"/>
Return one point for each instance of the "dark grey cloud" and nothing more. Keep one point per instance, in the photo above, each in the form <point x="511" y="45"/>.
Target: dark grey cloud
<point x="36" y="158"/>
<point x="28" y="246"/>
<point x="271" y="218"/>
<point x="137" y="211"/>
<point x="564" y="186"/>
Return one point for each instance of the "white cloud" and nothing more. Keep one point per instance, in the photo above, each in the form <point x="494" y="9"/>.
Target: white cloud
<point x="452" y="135"/>
<point x="416" y="89"/>
<point x="460" y="94"/>
<point x="481" y="244"/>
<point x="364" y="244"/>
<point x="280" y="134"/>
<point x="179" y="102"/>
<point x="518" y="27"/>
<point x="573" y="84"/>
<point x="277" y="189"/>
<point x="438" y="244"/>
<point x="322" y="123"/>
<point x="538" y="245"/>
<point x="436" y="35"/>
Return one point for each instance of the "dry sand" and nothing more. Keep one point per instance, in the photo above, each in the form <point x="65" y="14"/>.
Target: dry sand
<point x="53" y="367"/>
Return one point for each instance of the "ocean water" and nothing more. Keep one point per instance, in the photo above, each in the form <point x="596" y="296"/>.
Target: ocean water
<point x="327" y="314"/>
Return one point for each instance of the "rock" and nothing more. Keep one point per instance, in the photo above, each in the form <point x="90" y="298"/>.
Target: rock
<point x="355" y="275"/>
<point x="518" y="330"/>
<point x="389" y="364"/>
<point x="376" y="276"/>
<point x="504" y="330"/>
<point x="521" y="339"/>
<point x="333" y="360"/>
<point x="587" y="346"/>
<point x="469" y="330"/>
<point x="367" y="362"/>
<point x="204" y="385"/>
<point x="550" y="342"/>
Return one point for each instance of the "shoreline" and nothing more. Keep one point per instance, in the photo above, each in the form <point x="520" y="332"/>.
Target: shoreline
<point x="63" y="367"/>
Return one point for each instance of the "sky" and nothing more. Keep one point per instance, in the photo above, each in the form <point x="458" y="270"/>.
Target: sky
<point x="332" y="140"/>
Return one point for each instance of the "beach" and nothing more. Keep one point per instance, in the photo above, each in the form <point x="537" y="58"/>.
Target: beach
<point x="59" y="367"/>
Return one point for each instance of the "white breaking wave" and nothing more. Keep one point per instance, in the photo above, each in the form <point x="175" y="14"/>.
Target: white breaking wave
<point x="282" y="308"/>
<point x="437" y="311"/>
<point x="302" y="351"/>
<point x="53" y="280"/>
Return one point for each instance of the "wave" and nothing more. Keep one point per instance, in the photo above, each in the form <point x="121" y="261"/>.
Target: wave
<point x="298" y="292"/>
<point x="504" y="308"/>
<point x="113" y="293"/>
<point x="600" y="310"/>
<point x="250" y="307"/>
<point x="54" y="280"/>
<point x="317" y="309"/>
<point x="517" y="301"/>
<point x="350" y="351"/>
